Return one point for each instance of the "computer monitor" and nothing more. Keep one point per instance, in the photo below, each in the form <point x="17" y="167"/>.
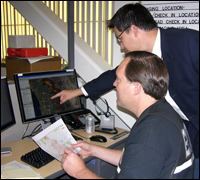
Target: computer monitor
<point x="35" y="89"/>
<point x="7" y="114"/>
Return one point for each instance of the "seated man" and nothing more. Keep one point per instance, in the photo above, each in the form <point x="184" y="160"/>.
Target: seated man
<point x="158" y="146"/>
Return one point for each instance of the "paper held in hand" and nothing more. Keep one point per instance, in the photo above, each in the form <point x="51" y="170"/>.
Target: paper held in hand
<point x="55" y="139"/>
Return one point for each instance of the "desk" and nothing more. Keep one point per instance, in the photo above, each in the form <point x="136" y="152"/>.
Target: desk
<point x="54" y="169"/>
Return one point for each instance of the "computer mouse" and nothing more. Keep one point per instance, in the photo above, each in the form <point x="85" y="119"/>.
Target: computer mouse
<point x="98" y="138"/>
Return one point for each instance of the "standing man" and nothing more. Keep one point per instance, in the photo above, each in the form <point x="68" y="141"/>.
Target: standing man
<point x="135" y="30"/>
<point x="158" y="146"/>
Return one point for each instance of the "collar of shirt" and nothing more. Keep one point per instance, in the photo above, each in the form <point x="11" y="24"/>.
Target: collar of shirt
<point x="157" y="46"/>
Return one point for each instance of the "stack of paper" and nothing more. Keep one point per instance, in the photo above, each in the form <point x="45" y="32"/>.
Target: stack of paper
<point x="17" y="170"/>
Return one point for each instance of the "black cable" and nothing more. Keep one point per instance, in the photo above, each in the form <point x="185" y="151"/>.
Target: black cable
<point x="33" y="132"/>
<point x="107" y="131"/>
<point x="80" y="135"/>
<point x="25" y="131"/>
<point x="36" y="131"/>
<point x="107" y="113"/>
<point x="108" y="107"/>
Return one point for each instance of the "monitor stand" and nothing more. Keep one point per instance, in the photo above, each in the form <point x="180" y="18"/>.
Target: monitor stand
<point x="47" y="122"/>
<point x="6" y="150"/>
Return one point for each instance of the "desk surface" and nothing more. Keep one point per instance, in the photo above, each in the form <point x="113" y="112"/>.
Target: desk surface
<point x="21" y="147"/>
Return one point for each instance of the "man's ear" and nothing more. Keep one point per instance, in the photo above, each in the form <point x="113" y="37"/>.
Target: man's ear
<point x="134" y="29"/>
<point x="136" y="87"/>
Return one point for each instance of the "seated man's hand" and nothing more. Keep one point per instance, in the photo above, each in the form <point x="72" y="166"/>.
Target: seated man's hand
<point x="72" y="163"/>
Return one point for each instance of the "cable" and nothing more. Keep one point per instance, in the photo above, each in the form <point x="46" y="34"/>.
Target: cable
<point x="80" y="135"/>
<point x="107" y="131"/>
<point x="107" y="113"/>
<point x="108" y="107"/>
<point x="33" y="132"/>
<point x="25" y="131"/>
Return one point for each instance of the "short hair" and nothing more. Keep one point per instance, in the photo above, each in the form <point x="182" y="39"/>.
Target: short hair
<point x="150" y="71"/>
<point x="130" y="14"/>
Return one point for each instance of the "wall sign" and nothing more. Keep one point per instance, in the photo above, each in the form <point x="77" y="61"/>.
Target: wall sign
<point x="178" y="14"/>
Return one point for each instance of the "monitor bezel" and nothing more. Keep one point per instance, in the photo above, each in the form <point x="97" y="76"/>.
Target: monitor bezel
<point x="40" y="73"/>
<point x="13" y="121"/>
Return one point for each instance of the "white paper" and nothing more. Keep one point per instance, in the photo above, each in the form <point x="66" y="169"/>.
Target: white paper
<point x="55" y="139"/>
<point x="36" y="59"/>
<point x="15" y="170"/>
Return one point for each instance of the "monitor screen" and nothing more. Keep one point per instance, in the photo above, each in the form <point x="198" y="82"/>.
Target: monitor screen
<point x="7" y="114"/>
<point x="34" y="92"/>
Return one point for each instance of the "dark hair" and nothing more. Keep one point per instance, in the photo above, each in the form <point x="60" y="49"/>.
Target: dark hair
<point x="150" y="71"/>
<point x="132" y="14"/>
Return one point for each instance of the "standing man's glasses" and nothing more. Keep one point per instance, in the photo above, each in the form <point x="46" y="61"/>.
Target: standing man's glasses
<point x="121" y="34"/>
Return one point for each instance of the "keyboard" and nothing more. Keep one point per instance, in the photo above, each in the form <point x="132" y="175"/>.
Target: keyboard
<point x="38" y="158"/>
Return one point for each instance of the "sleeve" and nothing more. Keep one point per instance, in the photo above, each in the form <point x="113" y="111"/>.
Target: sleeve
<point x="101" y="84"/>
<point x="84" y="91"/>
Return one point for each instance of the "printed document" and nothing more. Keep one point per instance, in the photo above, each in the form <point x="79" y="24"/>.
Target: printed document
<point x="55" y="139"/>
<point x="17" y="170"/>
